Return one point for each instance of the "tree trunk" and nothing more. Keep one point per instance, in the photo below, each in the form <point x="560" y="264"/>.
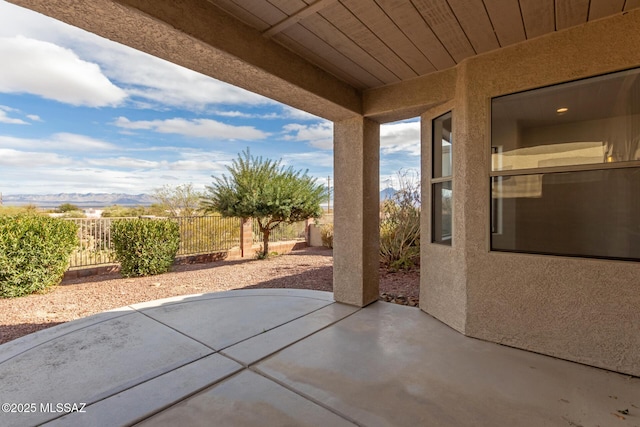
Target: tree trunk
<point x="265" y="241"/>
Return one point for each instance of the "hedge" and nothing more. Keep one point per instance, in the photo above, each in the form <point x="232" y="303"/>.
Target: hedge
<point x="34" y="253"/>
<point x="145" y="247"/>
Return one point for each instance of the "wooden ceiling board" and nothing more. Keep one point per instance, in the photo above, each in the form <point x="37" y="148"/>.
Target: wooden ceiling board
<point x="506" y="18"/>
<point x="263" y="10"/>
<point x="439" y="16"/>
<point x="351" y="26"/>
<point x="602" y="8"/>
<point x="570" y="13"/>
<point x="289" y="7"/>
<point x="303" y="42"/>
<point x="241" y="14"/>
<point x="539" y="17"/>
<point x="414" y="27"/>
<point x="475" y="22"/>
<point x="324" y="30"/>
<point x="378" y="22"/>
<point x="631" y="4"/>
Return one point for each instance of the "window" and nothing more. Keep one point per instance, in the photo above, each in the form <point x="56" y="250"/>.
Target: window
<point x="441" y="188"/>
<point x="565" y="172"/>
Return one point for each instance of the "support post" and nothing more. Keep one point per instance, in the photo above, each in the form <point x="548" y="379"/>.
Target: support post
<point x="356" y="243"/>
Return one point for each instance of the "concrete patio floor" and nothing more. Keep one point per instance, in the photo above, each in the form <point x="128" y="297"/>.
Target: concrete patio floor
<point x="293" y="358"/>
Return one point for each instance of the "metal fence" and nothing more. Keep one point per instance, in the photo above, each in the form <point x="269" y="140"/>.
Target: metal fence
<point x="198" y="235"/>
<point x="282" y="232"/>
<point x="208" y="234"/>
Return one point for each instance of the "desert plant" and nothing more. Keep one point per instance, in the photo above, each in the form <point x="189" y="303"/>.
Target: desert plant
<point x="117" y="211"/>
<point x="400" y="226"/>
<point x="34" y="253"/>
<point x="145" y="247"/>
<point x="326" y="234"/>
<point x="265" y="191"/>
<point x="182" y="200"/>
<point x="67" y="207"/>
<point x="17" y="210"/>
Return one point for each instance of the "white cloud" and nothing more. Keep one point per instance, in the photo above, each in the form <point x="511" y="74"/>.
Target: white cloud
<point x="308" y="160"/>
<point x="58" y="142"/>
<point x="4" y="118"/>
<point x="164" y="165"/>
<point x="154" y="83"/>
<point x="47" y="70"/>
<point x="319" y="135"/>
<point x="56" y="173"/>
<point x="199" y="128"/>
<point x="233" y="114"/>
<point x="400" y="137"/>
<point x="244" y="115"/>
<point x="30" y="159"/>
<point x="123" y="162"/>
<point x="294" y="113"/>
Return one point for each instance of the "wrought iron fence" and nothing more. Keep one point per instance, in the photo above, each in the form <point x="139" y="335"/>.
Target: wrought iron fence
<point x="208" y="234"/>
<point x="95" y="246"/>
<point x="198" y="235"/>
<point x="282" y="232"/>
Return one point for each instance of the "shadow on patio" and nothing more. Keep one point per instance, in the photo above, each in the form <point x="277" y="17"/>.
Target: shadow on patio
<point x="294" y="357"/>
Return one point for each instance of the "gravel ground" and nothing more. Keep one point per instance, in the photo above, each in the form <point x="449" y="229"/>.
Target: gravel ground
<point x="310" y="268"/>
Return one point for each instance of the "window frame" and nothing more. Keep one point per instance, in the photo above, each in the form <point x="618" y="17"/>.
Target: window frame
<point x="436" y="181"/>
<point x="495" y="211"/>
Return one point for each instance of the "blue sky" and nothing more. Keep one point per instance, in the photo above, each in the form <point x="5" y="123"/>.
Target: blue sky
<point x="79" y="113"/>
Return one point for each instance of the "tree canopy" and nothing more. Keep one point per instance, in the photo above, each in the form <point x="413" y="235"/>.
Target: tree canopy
<point x="266" y="191"/>
<point x="182" y="200"/>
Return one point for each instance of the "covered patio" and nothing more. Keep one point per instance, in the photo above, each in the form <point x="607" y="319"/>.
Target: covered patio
<point x="297" y="358"/>
<point x="565" y="287"/>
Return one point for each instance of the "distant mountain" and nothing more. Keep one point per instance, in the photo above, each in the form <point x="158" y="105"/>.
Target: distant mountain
<point x="93" y="200"/>
<point x="387" y="193"/>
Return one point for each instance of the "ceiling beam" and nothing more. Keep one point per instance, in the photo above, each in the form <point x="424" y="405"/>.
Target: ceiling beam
<point x="297" y="17"/>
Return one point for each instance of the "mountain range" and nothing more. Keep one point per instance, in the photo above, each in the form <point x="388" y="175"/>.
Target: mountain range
<point x="94" y="200"/>
<point x="99" y="200"/>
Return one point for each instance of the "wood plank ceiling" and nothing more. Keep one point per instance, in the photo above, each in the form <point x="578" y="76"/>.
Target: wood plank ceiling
<point x="371" y="43"/>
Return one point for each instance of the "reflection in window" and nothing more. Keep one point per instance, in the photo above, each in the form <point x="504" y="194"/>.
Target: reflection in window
<point x="565" y="164"/>
<point x="593" y="121"/>
<point x="441" y="184"/>
<point x="442" y="209"/>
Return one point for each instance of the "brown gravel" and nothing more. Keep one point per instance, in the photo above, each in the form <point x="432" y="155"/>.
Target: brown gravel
<point x="310" y="268"/>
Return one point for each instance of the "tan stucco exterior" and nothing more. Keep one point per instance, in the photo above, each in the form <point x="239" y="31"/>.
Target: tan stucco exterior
<point x="356" y="233"/>
<point x="579" y="309"/>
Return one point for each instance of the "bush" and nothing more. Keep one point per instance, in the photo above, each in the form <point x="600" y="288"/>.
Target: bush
<point x="326" y="234"/>
<point x="34" y="253"/>
<point x="145" y="247"/>
<point x="400" y="227"/>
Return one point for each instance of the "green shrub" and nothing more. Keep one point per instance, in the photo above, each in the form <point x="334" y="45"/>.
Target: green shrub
<point x="145" y="247"/>
<point x="326" y="234"/>
<point x="34" y="253"/>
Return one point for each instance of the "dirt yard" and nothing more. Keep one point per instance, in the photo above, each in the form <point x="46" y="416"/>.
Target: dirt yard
<point x="310" y="268"/>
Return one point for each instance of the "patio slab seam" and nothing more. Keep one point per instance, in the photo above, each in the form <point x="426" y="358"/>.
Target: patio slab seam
<point x="167" y="405"/>
<point x="143" y="312"/>
<point x="305" y="396"/>
<point x="276" y="327"/>
<point x="252" y="364"/>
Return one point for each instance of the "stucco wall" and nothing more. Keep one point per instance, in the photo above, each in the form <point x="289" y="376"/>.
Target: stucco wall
<point x="584" y="310"/>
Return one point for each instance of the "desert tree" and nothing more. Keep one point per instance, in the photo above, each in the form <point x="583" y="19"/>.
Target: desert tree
<point x="267" y="192"/>
<point x="181" y="200"/>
